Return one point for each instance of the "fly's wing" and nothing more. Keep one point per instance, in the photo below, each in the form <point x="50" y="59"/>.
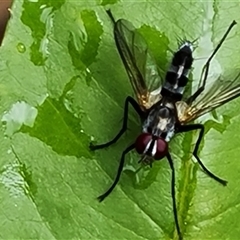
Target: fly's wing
<point x="219" y="93"/>
<point x="140" y="66"/>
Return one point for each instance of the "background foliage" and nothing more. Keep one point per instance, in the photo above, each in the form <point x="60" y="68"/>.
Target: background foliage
<point x="62" y="84"/>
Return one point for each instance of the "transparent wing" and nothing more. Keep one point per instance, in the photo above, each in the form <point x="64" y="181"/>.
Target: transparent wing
<point x="219" y="93"/>
<point x="140" y="66"/>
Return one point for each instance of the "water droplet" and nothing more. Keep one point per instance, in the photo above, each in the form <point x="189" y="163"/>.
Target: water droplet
<point x="43" y="6"/>
<point x="21" y="48"/>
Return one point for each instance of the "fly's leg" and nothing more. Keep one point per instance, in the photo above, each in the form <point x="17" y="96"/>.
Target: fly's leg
<point x="110" y="15"/>
<point x="205" y="69"/>
<point x="170" y="161"/>
<point x="200" y="127"/>
<point x="124" y="126"/>
<point x="120" y="168"/>
<point x="115" y="139"/>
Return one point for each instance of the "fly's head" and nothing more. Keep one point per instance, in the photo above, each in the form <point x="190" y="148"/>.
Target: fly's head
<point x="158" y="129"/>
<point x="151" y="147"/>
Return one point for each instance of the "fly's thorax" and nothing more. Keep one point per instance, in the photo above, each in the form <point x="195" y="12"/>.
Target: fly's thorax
<point x="176" y="77"/>
<point x="161" y="121"/>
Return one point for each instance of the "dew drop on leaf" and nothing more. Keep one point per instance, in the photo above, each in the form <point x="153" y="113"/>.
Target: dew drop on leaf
<point x="21" y="48"/>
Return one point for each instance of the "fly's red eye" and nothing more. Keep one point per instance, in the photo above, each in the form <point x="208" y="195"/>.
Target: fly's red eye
<point x="162" y="149"/>
<point x="157" y="147"/>
<point x="142" y="142"/>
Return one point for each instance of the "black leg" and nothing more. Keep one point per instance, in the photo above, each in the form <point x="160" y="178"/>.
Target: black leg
<point x="200" y="127"/>
<point x="110" y="15"/>
<point x="124" y="126"/>
<point x="205" y="69"/>
<point x="173" y="196"/>
<point x="120" y="168"/>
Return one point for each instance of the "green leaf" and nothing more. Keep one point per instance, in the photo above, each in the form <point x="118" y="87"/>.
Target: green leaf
<point x="62" y="85"/>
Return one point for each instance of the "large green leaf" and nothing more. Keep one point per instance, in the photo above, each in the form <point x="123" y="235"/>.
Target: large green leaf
<point x="62" y="84"/>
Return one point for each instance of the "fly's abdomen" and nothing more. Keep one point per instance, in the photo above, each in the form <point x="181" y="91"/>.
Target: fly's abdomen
<point x="177" y="75"/>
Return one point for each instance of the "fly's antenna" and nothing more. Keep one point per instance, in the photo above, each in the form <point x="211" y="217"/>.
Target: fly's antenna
<point x="110" y="15"/>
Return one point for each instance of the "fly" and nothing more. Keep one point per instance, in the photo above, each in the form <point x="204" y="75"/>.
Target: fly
<point x="160" y="106"/>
